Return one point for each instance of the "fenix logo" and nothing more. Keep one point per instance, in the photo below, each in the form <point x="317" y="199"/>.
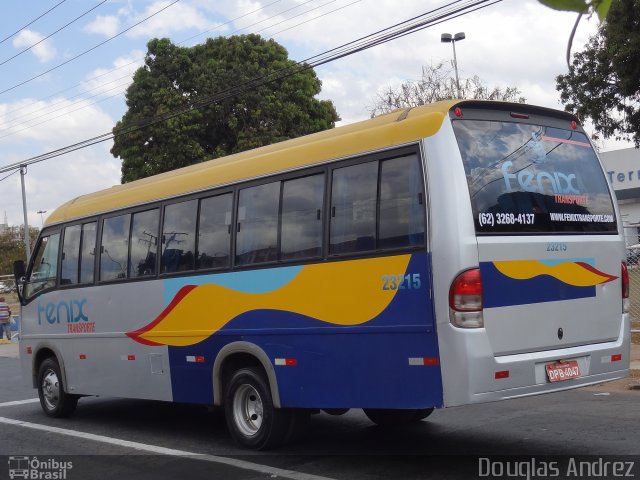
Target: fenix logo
<point x="71" y="311"/>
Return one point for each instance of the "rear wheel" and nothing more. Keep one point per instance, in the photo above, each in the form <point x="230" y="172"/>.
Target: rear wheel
<point x="252" y="419"/>
<point x="389" y="417"/>
<point x="54" y="400"/>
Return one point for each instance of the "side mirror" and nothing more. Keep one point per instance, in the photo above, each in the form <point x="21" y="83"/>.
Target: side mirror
<point x="19" y="272"/>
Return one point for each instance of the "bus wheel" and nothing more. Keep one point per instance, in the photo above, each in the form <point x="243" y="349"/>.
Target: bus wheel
<point x="252" y="419"/>
<point x="54" y="400"/>
<point x="389" y="417"/>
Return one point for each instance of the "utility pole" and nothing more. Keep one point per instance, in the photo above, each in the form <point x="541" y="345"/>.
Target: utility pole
<point x="452" y="39"/>
<point x="27" y="240"/>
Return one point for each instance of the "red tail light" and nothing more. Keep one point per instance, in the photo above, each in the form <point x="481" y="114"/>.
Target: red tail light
<point x="465" y="300"/>
<point x="624" y="277"/>
<point x="625" y="280"/>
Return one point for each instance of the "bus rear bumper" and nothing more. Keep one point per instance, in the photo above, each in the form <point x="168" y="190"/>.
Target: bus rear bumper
<point x="492" y="378"/>
<point x="517" y="392"/>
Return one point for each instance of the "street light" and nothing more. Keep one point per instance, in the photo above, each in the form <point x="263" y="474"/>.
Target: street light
<point x="41" y="212"/>
<point x="448" y="38"/>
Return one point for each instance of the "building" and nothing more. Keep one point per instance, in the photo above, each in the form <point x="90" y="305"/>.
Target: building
<point x="623" y="171"/>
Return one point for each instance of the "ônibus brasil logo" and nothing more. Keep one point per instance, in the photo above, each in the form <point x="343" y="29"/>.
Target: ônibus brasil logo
<point x="32" y="468"/>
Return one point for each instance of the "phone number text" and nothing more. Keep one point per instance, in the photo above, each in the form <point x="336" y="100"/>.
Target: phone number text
<point x="492" y="219"/>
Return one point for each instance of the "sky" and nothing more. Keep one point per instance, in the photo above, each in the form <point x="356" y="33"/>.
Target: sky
<point x="65" y="65"/>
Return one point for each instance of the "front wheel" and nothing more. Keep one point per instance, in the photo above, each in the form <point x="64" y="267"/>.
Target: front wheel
<point x="389" y="417"/>
<point x="54" y="400"/>
<point x="252" y="419"/>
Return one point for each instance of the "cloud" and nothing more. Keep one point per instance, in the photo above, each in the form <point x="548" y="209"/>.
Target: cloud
<point x="503" y="47"/>
<point x="44" y="51"/>
<point x="110" y="81"/>
<point x="67" y="121"/>
<point x="107" y="25"/>
<point x="55" y="181"/>
<point x="176" y="18"/>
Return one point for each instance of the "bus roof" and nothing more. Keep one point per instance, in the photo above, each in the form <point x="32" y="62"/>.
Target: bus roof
<point x="395" y="128"/>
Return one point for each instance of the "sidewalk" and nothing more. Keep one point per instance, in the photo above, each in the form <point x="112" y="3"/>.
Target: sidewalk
<point x="8" y="349"/>
<point x="635" y="357"/>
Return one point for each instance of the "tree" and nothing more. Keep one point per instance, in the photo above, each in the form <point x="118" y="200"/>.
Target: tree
<point x="179" y="77"/>
<point x="437" y="84"/>
<point x="603" y="83"/>
<point x="12" y="247"/>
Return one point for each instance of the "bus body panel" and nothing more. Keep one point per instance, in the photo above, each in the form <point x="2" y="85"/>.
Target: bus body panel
<point x="86" y="327"/>
<point x="370" y="328"/>
<point x="528" y="322"/>
<point x="320" y="344"/>
<point x="528" y="315"/>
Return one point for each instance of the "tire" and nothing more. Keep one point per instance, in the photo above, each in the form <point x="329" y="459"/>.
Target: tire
<point x="54" y="400"/>
<point x="389" y="417"/>
<point x="252" y="419"/>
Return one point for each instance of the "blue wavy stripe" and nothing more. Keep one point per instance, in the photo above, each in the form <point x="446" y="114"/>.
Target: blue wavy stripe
<point x="253" y="281"/>
<point x="502" y="291"/>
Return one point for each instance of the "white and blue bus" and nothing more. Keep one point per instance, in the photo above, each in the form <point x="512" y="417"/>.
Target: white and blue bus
<point x="450" y="254"/>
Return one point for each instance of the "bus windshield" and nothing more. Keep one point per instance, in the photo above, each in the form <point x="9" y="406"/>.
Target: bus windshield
<point x="533" y="179"/>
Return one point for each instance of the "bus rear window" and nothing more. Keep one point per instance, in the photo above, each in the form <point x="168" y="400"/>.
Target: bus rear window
<point x="533" y="179"/>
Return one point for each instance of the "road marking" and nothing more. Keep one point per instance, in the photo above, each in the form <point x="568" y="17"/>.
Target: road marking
<point x="233" y="462"/>
<point x="19" y="402"/>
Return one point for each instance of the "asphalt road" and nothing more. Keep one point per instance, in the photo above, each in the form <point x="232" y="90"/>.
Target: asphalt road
<point x="133" y="439"/>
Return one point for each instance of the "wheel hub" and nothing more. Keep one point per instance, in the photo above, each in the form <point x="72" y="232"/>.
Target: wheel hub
<point x="51" y="389"/>
<point x="248" y="410"/>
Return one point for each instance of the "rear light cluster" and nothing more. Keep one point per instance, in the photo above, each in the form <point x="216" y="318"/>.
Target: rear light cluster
<point x="624" y="276"/>
<point x="465" y="300"/>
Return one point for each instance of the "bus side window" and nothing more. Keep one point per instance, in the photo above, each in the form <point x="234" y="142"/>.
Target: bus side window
<point x="179" y="237"/>
<point x="88" y="252"/>
<point x="114" y="250"/>
<point x="214" y="232"/>
<point x="71" y="255"/>
<point x="257" y="238"/>
<point x="45" y="266"/>
<point x="302" y="219"/>
<point x="353" y="208"/>
<point x="401" y="203"/>
<point x="144" y="243"/>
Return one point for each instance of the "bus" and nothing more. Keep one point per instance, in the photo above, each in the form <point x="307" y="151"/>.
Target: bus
<point x="444" y="255"/>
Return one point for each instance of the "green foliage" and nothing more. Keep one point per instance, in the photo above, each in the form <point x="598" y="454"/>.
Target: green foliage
<point x="603" y="83"/>
<point x="12" y="248"/>
<point x="438" y="84"/>
<point x="175" y="77"/>
<point x="601" y="7"/>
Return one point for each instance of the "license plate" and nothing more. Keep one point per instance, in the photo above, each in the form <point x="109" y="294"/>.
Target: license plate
<point x="559" y="371"/>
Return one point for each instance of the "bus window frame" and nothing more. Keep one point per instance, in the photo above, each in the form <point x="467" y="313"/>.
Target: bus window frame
<point x="46" y="232"/>
<point x="96" y="257"/>
<point x="326" y="168"/>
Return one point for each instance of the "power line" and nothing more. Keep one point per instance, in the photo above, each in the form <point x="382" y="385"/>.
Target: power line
<point x="12" y="130"/>
<point x="142" y="58"/>
<point x="31" y="22"/>
<point x="12" y="173"/>
<point x="315" y="18"/>
<point x="60" y="102"/>
<point x="88" y="50"/>
<point x="66" y="112"/>
<point x="52" y="34"/>
<point x="363" y="43"/>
